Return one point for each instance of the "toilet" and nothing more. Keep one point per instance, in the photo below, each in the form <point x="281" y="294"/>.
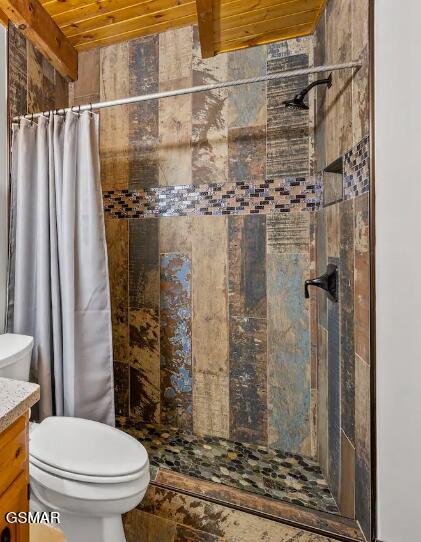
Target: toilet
<point x="88" y="471"/>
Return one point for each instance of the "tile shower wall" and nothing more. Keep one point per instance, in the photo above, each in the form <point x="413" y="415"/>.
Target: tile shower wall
<point x="34" y="85"/>
<point x="342" y="237"/>
<point x="208" y="237"/>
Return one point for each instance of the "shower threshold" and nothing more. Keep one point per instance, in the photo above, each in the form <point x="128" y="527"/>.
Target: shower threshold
<point x="265" y="472"/>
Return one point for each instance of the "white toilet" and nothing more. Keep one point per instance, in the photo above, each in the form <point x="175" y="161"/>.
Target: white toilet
<point x="89" y="472"/>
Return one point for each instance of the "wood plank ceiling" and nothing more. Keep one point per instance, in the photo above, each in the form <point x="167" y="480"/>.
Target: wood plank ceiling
<point x="234" y="23"/>
<point x="60" y="28"/>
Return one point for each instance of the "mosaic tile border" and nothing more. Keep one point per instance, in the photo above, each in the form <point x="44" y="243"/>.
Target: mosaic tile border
<point x="232" y="198"/>
<point x="356" y="176"/>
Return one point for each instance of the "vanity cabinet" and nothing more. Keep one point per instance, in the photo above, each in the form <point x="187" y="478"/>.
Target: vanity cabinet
<point x="14" y="479"/>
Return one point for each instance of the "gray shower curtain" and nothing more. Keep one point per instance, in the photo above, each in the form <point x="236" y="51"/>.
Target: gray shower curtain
<point x="58" y="280"/>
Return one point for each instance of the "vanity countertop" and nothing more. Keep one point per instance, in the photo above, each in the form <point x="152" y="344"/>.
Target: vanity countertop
<point x="16" y="397"/>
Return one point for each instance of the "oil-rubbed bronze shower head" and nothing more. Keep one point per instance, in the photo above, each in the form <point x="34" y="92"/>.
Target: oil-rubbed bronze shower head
<point x="298" y="101"/>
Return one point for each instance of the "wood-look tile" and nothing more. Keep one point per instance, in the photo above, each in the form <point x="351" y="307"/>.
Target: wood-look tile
<point x="175" y="234"/>
<point x="176" y="354"/>
<point x="188" y="534"/>
<point x="144" y="325"/>
<point x="346" y="299"/>
<point x="322" y="401"/>
<point x="121" y="388"/>
<point x="347" y="495"/>
<point x="175" y="58"/>
<point x="339" y="97"/>
<point x="313" y="339"/>
<point x="174" y="152"/>
<point x="210" y="326"/>
<point x="211" y="402"/>
<point x="321" y="264"/>
<point x="114" y="121"/>
<point x="143" y="61"/>
<point x="287" y="130"/>
<point x="48" y="85"/>
<point x="334" y="391"/>
<point x="117" y="235"/>
<point x="313" y="302"/>
<point x="220" y="521"/>
<point x="246" y="153"/>
<point x="332" y="230"/>
<point x="288" y="353"/>
<point x="248" y="380"/>
<point x="313" y="423"/>
<point x="140" y="526"/>
<point x="247" y="265"/>
<point x="320" y="93"/>
<point x="332" y="188"/>
<point x="36" y="94"/>
<point x="247" y="104"/>
<point x="175" y="114"/>
<point x="291" y="47"/>
<point x="144" y="263"/>
<point x="362" y="445"/>
<point x="360" y="81"/>
<point x="87" y="87"/>
<point x="17" y="70"/>
<point x="61" y="92"/>
<point x="209" y="114"/>
<point x="288" y="233"/>
<point x="362" y="277"/>
<point x="144" y="358"/>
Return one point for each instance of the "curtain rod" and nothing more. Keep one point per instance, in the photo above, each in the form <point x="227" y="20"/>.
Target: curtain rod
<point x="192" y="90"/>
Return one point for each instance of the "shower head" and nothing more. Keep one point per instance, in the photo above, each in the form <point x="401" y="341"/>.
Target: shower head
<point x="297" y="102"/>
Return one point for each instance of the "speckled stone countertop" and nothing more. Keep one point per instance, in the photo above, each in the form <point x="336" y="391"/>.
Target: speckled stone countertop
<point x="16" y="397"/>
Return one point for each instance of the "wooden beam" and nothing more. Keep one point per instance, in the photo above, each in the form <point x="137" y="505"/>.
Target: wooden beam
<point x="37" y="25"/>
<point x="205" y="19"/>
<point x="3" y="19"/>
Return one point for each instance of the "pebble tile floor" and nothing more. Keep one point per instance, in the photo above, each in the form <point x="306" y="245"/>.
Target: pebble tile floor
<point x="264" y="471"/>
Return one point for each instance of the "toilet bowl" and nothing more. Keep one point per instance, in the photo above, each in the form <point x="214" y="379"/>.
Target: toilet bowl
<point x="87" y="471"/>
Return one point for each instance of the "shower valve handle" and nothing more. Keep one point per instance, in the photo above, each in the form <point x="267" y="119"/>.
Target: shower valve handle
<point x="327" y="281"/>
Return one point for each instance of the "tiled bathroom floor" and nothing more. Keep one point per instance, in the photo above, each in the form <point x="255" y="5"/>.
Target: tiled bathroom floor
<point x="271" y="473"/>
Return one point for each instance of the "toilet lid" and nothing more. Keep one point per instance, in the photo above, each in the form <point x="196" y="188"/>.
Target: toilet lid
<point x="86" y="448"/>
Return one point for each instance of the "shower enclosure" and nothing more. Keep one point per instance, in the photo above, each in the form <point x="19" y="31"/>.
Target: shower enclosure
<point x="219" y="206"/>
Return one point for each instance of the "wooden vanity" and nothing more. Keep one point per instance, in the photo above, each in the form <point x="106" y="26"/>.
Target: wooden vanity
<point x="16" y="398"/>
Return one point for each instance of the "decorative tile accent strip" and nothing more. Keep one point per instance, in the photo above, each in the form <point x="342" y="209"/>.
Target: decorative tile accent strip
<point x="357" y="170"/>
<point x="276" y="474"/>
<point x="232" y="198"/>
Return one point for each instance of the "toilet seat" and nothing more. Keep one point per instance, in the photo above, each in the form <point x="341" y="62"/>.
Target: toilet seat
<point x="74" y="476"/>
<point x="87" y="451"/>
<point x="81" y="492"/>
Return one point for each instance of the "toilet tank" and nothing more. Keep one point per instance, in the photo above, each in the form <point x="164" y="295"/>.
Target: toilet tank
<point x="15" y="356"/>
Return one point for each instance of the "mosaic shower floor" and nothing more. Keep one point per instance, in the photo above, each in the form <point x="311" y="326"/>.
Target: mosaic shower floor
<point x="267" y="472"/>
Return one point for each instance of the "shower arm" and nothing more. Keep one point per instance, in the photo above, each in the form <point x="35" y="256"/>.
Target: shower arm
<point x="304" y="92"/>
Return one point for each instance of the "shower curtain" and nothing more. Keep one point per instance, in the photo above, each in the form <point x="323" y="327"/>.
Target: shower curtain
<point x="58" y="278"/>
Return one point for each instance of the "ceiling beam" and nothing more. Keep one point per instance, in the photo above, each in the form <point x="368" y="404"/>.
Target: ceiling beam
<point x="3" y="19"/>
<point x="37" y="25"/>
<point x="205" y="19"/>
